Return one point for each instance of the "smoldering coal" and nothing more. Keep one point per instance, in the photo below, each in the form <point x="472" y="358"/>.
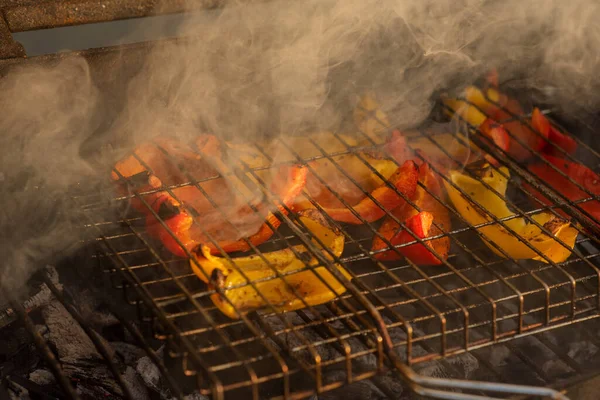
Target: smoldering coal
<point x="282" y="67"/>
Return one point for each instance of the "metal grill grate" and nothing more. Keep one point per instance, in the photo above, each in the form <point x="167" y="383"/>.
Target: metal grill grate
<point x="393" y="314"/>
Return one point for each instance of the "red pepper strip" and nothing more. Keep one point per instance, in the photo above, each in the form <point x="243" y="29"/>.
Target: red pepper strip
<point x="519" y="130"/>
<point x="397" y="148"/>
<point x="561" y="140"/>
<point x="498" y="135"/>
<point x="492" y="77"/>
<point x="404" y="180"/>
<point x="344" y="180"/>
<point x="538" y="141"/>
<point x="585" y="178"/>
<point x="542" y="125"/>
<point x="502" y="109"/>
<point x="288" y="183"/>
<point x="567" y="143"/>
<point x="420" y="223"/>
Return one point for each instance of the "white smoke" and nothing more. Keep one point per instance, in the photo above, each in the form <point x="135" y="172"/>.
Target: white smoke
<point x="274" y="68"/>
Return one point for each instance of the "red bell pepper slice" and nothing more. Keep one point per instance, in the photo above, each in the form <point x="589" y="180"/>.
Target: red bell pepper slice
<point x="584" y="177"/>
<point x="498" y="135"/>
<point x="418" y="253"/>
<point x="397" y="147"/>
<point x="420" y="223"/>
<point x="537" y="139"/>
<point x="554" y="136"/>
<point x="492" y="77"/>
<point x="184" y="220"/>
<point x="404" y="180"/>
<point x="516" y="128"/>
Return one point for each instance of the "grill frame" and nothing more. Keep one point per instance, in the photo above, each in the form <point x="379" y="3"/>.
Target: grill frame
<point x="383" y="353"/>
<point x="519" y="331"/>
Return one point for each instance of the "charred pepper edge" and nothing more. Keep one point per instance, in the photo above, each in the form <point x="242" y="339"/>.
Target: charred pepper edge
<point x="173" y="210"/>
<point x="329" y="286"/>
<point x="498" y="231"/>
<point x="425" y="206"/>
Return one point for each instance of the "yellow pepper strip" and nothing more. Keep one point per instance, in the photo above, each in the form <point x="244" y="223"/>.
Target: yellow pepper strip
<point x="496" y="205"/>
<point x="370" y="119"/>
<point x="297" y="275"/>
<point x="469" y="110"/>
<point x="446" y="150"/>
<point x="336" y="181"/>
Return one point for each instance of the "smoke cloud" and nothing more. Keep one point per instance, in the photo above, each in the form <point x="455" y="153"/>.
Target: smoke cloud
<point x="285" y="67"/>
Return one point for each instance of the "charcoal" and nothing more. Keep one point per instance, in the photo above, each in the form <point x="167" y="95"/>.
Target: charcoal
<point x="196" y="396"/>
<point x="583" y="352"/>
<point x="393" y="384"/>
<point x="128" y="353"/>
<point x="40" y="295"/>
<point x="466" y="364"/>
<point x="17" y="392"/>
<point x="136" y="386"/>
<point x="79" y="357"/>
<point x="499" y="356"/>
<point x="363" y="390"/>
<point x="42" y="377"/>
<point x="148" y="371"/>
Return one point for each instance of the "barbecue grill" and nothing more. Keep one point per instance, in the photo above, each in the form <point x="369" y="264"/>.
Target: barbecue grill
<point x="395" y="322"/>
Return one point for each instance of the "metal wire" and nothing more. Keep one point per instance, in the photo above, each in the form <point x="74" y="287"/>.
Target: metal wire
<point x="469" y="302"/>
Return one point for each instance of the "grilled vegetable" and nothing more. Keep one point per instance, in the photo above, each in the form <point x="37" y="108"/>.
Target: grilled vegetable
<point x="447" y="150"/>
<point x="343" y="181"/>
<point x="224" y="224"/>
<point x="444" y="150"/>
<point x="495" y="204"/>
<point x="404" y="180"/>
<point x="151" y="166"/>
<point x="562" y="140"/>
<point x="539" y="122"/>
<point x="489" y="109"/>
<point x="223" y="209"/>
<point x="371" y="119"/>
<point x="301" y="274"/>
<point x="487" y="126"/>
<point x="326" y="180"/>
<point x="420" y="222"/>
<point x="580" y="174"/>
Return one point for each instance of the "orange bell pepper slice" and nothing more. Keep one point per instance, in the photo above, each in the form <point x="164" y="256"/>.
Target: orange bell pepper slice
<point x="224" y="213"/>
<point x="150" y="169"/>
<point x="184" y="219"/>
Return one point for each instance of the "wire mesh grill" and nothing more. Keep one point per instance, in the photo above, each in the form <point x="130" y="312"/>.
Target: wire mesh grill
<point x="422" y="313"/>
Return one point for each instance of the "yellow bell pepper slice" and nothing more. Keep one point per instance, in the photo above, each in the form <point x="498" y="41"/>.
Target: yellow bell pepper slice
<point x="371" y="119"/>
<point x="496" y="205"/>
<point x="472" y="110"/>
<point x="296" y="272"/>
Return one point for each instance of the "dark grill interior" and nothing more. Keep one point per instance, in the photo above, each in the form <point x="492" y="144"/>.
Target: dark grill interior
<point x="396" y="321"/>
